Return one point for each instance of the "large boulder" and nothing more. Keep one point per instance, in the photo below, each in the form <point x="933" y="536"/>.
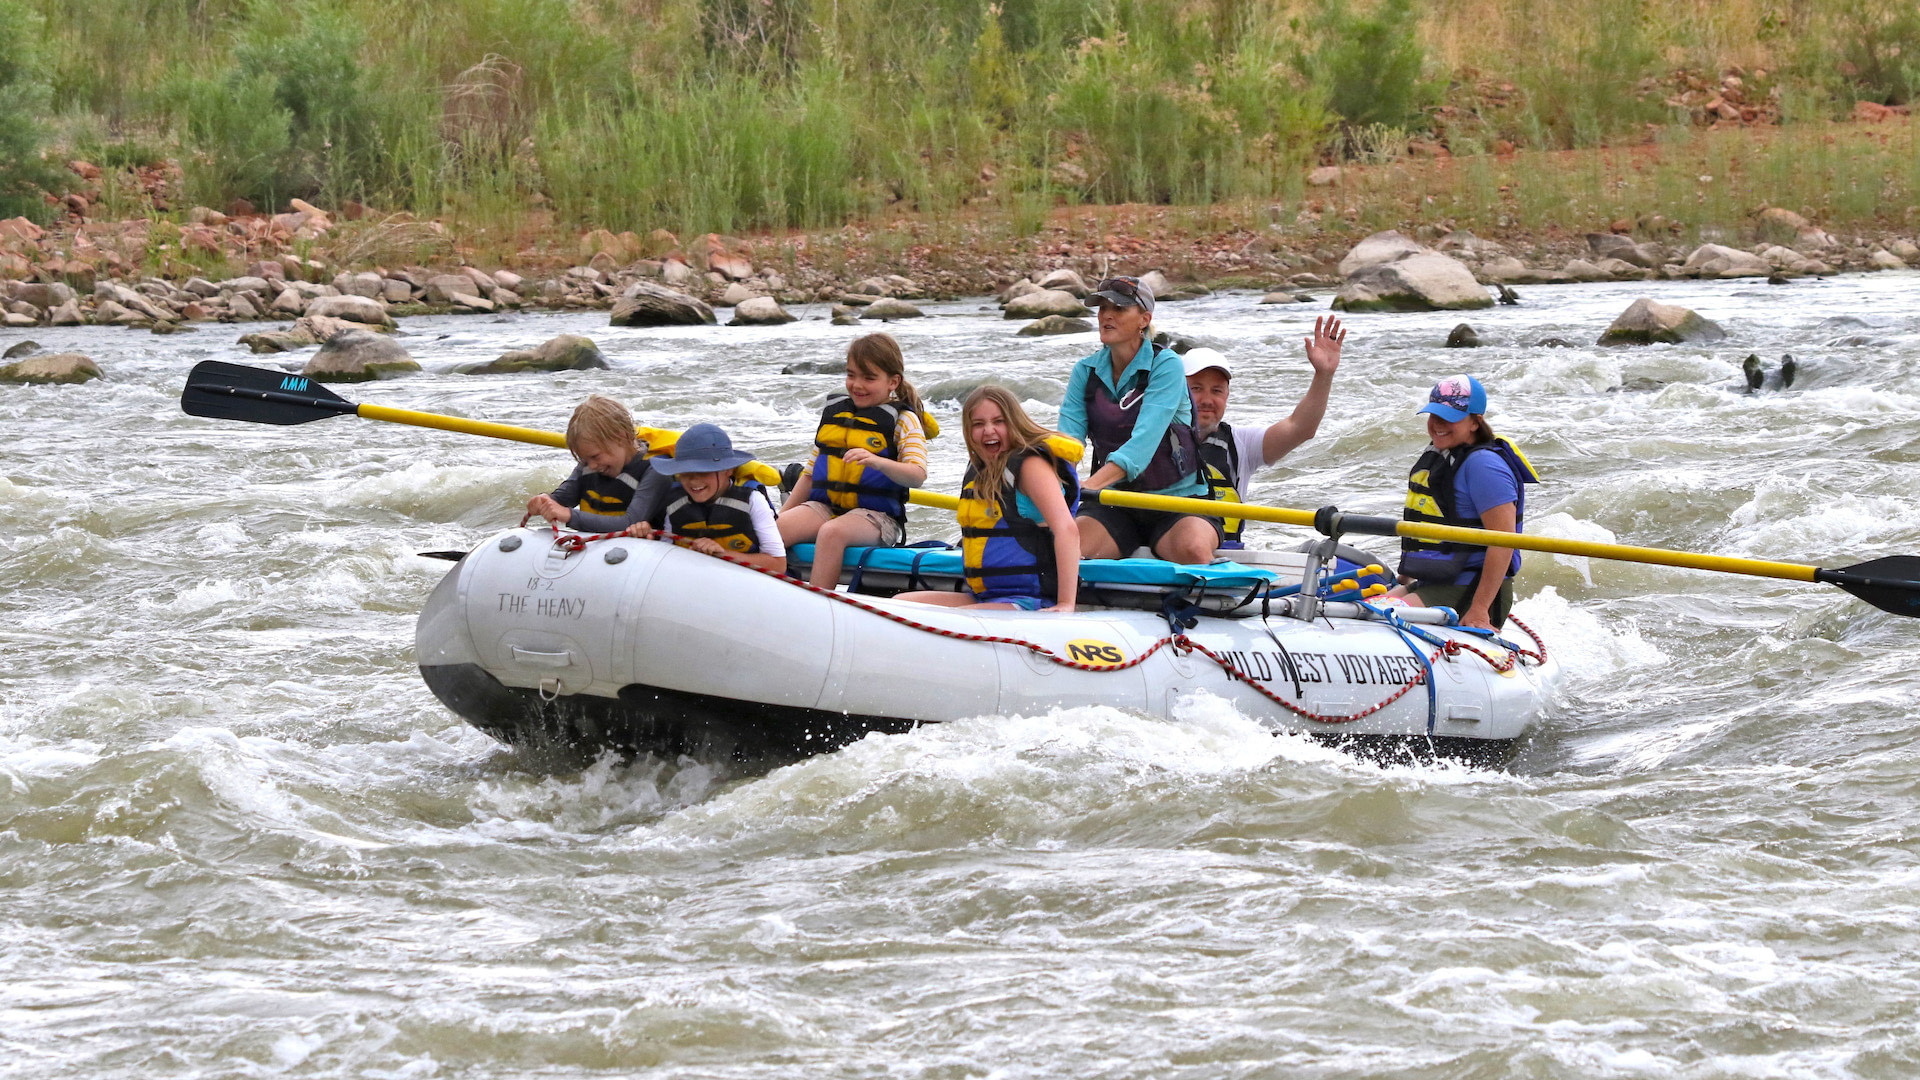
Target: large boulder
<point x="1718" y="261"/>
<point x="42" y="294"/>
<point x="1018" y="289"/>
<point x="1381" y="247"/>
<point x="568" y="352"/>
<point x="63" y="368"/>
<point x="441" y="288"/>
<point x="1425" y="281"/>
<point x="1614" y="246"/>
<point x="355" y="308"/>
<point x="1781" y="225"/>
<point x="1056" y="324"/>
<point x="1646" y="322"/>
<point x="759" y="311"/>
<point x="646" y="304"/>
<point x="306" y="330"/>
<point x="1066" y="281"/>
<point x="1505" y="269"/>
<point x="359" y="356"/>
<point x="887" y="308"/>
<point x="1158" y="282"/>
<point x="1039" y="305"/>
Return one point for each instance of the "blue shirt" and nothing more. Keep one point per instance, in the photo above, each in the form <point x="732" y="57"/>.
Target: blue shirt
<point x="1483" y="482"/>
<point x="1166" y="400"/>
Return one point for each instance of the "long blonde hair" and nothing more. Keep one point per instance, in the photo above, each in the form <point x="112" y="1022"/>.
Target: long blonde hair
<point x="879" y="354"/>
<point x="1022" y="435"/>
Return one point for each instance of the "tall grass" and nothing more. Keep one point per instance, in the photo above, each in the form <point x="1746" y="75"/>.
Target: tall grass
<point x="768" y="114"/>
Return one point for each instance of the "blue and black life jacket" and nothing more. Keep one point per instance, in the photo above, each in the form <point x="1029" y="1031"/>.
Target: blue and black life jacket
<point x="609" y="495"/>
<point x="1006" y="553"/>
<point x="725" y="519"/>
<point x="1431" y="499"/>
<point x="1220" y="456"/>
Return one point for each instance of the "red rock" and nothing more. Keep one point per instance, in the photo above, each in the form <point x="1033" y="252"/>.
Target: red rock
<point x="85" y="170"/>
<point x="201" y="238"/>
<point x="724" y="255"/>
<point x="20" y="227"/>
<point x="1872" y="112"/>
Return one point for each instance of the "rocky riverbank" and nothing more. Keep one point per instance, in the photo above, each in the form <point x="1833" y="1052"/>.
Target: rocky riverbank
<point x="153" y="275"/>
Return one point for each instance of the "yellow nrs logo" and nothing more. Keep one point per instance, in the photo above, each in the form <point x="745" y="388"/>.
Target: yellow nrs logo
<point x="1095" y="653"/>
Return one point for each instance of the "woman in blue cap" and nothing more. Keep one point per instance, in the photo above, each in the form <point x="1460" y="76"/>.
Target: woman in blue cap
<point x="712" y="507"/>
<point x="1455" y="483"/>
<point x="1129" y="402"/>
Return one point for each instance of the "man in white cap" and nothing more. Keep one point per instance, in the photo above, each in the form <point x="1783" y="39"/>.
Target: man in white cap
<point x="1231" y="456"/>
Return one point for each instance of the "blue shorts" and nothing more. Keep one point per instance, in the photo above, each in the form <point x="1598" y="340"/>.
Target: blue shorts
<point x="1024" y="603"/>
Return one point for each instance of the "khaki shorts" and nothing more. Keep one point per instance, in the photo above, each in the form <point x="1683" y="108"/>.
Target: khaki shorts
<point x="886" y="531"/>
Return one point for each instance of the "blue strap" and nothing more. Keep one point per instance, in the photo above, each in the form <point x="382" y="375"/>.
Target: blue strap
<point x="860" y="568"/>
<point x="1493" y="636"/>
<point x="1404" y="628"/>
<point x="1180" y="615"/>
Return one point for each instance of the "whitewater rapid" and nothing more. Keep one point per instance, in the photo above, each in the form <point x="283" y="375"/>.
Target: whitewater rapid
<point x="238" y="837"/>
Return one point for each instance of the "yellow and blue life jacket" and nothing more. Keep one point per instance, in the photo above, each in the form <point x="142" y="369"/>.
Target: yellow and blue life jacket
<point x="726" y="518"/>
<point x="1431" y="499"/>
<point x="844" y="485"/>
<point x="1004" y="552"/>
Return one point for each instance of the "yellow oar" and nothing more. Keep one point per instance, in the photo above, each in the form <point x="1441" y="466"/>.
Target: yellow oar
<point x="262" y="396"/>
<point x="1890" y="584"/>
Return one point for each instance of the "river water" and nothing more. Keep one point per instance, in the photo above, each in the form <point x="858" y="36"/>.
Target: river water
<point x="238" y="837"/>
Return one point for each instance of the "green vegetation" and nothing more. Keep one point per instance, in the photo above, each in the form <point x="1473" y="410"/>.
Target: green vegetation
<point x="737" y="115"/>
<point x="23" y="103"/>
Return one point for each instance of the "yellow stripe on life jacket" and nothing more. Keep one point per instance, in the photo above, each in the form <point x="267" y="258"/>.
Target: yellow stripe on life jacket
<point x="660" y="442"/>
<point x="1223" y="491"/>
<point x="1423" y="503"/>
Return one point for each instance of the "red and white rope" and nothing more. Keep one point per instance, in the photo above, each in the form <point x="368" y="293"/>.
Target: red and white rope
<point x="576" y="542"/>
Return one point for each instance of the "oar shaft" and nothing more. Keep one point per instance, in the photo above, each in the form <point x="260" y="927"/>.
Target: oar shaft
<point x="1380" y="526"/>
<point x="470" y="427"/>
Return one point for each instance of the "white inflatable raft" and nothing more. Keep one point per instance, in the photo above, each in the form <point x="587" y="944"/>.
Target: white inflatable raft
<point x="636" y="645"/>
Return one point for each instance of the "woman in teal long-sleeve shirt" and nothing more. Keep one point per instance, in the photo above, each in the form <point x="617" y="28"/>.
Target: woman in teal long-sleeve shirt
<point x="1129" y="402"/>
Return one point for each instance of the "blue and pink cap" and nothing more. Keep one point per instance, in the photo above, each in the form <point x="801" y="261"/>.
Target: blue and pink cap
<point x="1455" y="398"/>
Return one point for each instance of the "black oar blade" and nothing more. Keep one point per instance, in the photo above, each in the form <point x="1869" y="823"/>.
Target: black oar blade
<point x="1890" y="584"/>
<point x="258" y="395"/>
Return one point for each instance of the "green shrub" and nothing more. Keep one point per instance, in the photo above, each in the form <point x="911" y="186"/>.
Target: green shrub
<point x="23" y="105"/>
<point x="1148" y="138"/>
<point x="237" y="135"/>
<point x="1879" y="48"/>
<point x="316" y="79"/>
<point x="1583" y="87"/>
<point x="1369" y="65"/>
